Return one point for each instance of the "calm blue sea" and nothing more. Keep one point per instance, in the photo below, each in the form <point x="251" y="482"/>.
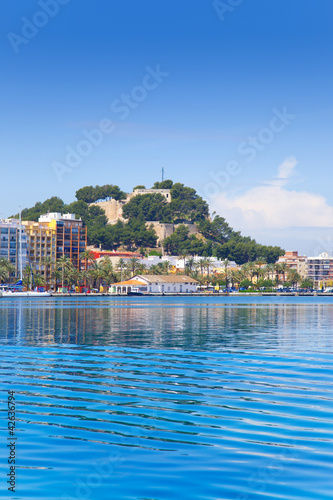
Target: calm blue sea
<point x="217" y="398"/>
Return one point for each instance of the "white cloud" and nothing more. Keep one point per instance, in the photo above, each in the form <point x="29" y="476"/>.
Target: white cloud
<point x="273" y="205"/>
<point x="286" y="168"/>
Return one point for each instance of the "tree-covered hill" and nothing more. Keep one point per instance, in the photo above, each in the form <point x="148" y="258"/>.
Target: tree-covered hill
<point x="185" y="205"/>
<point x="216" y="237"/>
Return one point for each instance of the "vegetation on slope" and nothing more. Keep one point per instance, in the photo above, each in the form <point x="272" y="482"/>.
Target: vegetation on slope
<point x="216" y="237"/>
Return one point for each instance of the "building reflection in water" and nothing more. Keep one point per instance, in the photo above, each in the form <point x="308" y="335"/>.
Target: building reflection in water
<point x="202" y="326"/>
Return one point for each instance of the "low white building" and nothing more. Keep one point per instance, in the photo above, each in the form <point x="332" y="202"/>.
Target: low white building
<point x="156" y="283"/>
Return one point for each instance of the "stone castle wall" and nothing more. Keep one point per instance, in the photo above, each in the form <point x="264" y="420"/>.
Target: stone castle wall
<point x="114" y="212"/>
<point x="113" y="209"/>
<point x="164" y="192"/>
<point x="164" y="230"/>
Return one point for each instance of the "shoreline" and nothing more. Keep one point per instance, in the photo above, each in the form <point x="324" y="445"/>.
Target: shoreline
<point x="160" y="294"/>
<point x="209" y="294"/>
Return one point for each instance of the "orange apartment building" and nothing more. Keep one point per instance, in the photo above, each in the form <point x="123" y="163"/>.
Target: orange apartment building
<point x="55" y="235"/>
<point x="295" y="261"/>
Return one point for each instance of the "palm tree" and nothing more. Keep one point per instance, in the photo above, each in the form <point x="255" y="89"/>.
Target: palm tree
<point x="88" y="257"/>
<point x="39" y="280"/>
<point x="258" y="271"/>
<point x="183" y="256"/>
<point x="261" y="274"/>
<point x="132" y="265"/>
<point x="269" y="271"/>
<point x="277" y="273"/>
<point x="27" y="281"/>
<point x="99" y="276"/>
<point x="121" y="264"/>
<point x="233" y="277"/>
<point x="246" y="269"/>
<point x="240" y="276"/>
<point x="190" y="264"/>
<point x="7" y="268"/>
<point x="208" y="262"/>
<point x="166" y="266"/>
<point x="293" y="277"/>
<point x="48" y="264"/>
<point x="283" y="269"/>
<point x="56" y="276"/>
<point x="141" y="268"/>
<point x="156" y="269"/>
<point x="108" y="270"/>
<point x="226" y="263"/>
<point x="73" y="276"/>
<point x="63" y="263"/>
<point x="252" y="271"/>
<point x="83" y="277"/>
<point x="90" y="278"/>
<point x="201" y="264"/>
<point x="3" y="274"/>
<point x="260" y="261"/>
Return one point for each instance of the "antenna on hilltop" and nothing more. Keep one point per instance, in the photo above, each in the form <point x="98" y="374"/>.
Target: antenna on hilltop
<point x="162" y="174"/>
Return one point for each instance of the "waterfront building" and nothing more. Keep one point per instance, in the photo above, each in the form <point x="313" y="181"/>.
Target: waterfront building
<point x="294" y="261"/>
<point x="55" y="235"/>
<point x="41" y="241"/>
<point x="159" y="283"/>
<point x="71" y="236"/>
<point x="320" y="269"/>
<point x="10" y="244"/>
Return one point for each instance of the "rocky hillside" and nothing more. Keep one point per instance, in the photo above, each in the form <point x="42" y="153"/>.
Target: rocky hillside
<point x="132" y="228"/>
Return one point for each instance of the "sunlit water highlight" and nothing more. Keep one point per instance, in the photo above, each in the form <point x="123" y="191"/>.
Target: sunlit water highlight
<point x="169" y="398"/>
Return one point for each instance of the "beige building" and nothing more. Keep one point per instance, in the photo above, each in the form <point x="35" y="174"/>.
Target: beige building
<point x="295" y="261"/>
<point x="41" y="243"/>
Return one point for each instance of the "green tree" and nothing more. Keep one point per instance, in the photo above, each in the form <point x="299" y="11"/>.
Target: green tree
<point x="48" y="264"/>
<point x="90" y="194"/>
<point x="132" y="265"/>
<point x="167" y="184"/>
<point x="63" y="264"/>
<point x="6" y="269"/>
<point x="3" y="274"/>
<point x="88" y="257"/>
<point x="307" y="283"/>
<point x="149" y="207"/>
<point x="27" y="278"/>
<point x="186" y="204"/>
<point x="294" y="277"/>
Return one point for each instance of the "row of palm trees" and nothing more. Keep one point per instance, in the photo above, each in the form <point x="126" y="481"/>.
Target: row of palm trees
<point x="104" y="272"/>
<point x="254" y="274"/>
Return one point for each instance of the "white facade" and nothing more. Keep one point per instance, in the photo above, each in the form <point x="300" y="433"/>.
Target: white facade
<point x="149" y="283"/>
<point x="320" y="269"/>
<point x="56" y="216"/>
<point x="168" y="283"/>
<point x="10" y="243"/>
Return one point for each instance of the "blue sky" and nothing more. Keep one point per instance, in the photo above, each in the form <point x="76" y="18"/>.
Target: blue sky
<point x="210" y="117"/>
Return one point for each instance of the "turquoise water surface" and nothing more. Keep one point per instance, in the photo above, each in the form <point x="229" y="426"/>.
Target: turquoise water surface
<point x="153" y="398"/>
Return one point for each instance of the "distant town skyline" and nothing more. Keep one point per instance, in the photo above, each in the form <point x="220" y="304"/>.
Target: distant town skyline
<point x="235" y="103"/>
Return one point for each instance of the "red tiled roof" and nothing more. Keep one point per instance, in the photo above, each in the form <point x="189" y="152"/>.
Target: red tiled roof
<point x="103" y="253"/>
